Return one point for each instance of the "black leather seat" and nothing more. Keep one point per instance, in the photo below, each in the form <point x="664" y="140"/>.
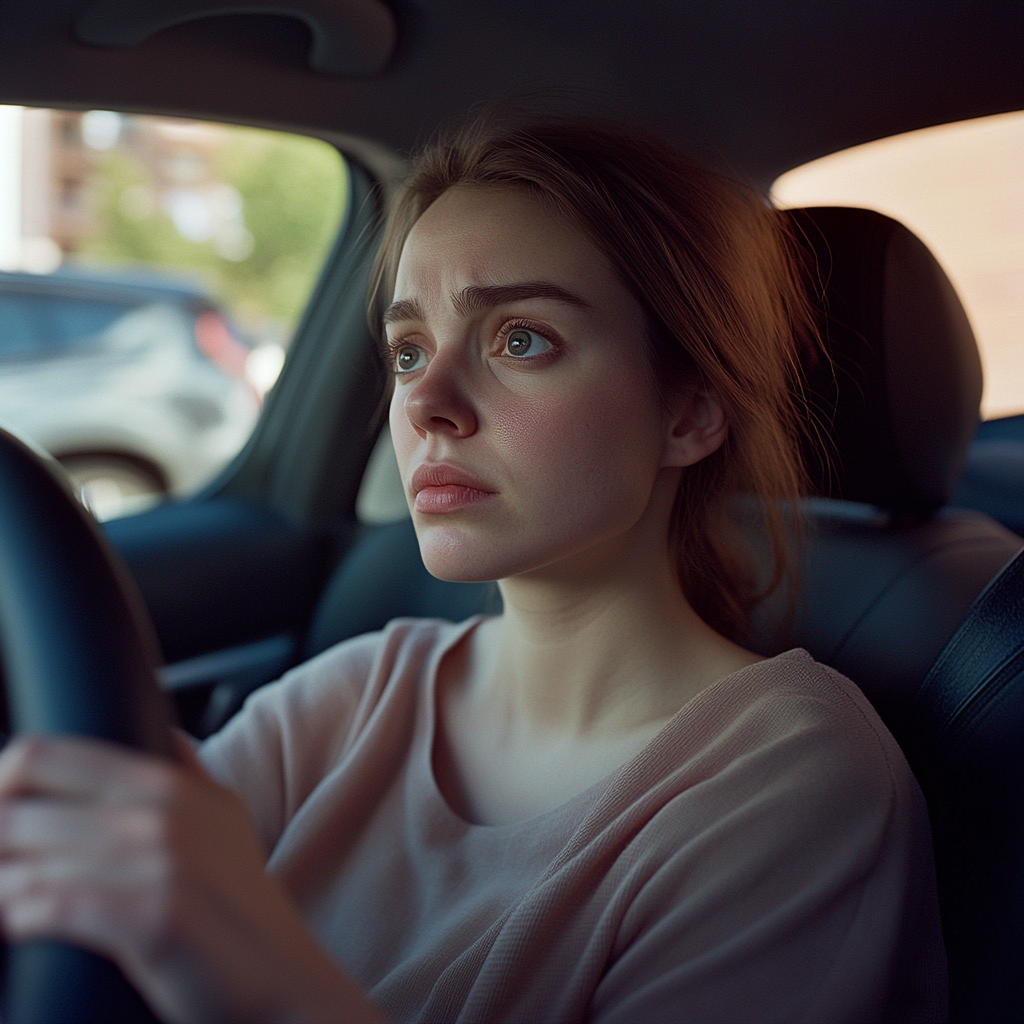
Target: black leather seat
<point x="888" y="573"/>
<point x="886" y="583"/>
<point x="382" y="577"/>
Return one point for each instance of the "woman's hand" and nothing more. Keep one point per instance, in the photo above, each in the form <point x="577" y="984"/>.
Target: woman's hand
<point x="158" y="867"/>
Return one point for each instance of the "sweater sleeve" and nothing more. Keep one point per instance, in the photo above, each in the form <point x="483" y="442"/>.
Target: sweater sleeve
<point x="287" y="736"/>
<point x="807" y="895"/>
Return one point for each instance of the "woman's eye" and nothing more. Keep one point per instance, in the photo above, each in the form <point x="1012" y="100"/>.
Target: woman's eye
<point x="522" y="342"/>
<point x="408" y="358"/>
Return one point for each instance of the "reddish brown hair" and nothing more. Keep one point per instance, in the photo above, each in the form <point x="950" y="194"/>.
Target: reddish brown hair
<point x="715" y="272"/>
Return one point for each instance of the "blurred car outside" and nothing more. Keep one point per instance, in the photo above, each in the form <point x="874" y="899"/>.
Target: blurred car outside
<point x="137" y="383"/>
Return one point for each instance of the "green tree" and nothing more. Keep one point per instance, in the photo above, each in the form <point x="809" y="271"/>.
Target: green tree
<point x="293" y="193"/>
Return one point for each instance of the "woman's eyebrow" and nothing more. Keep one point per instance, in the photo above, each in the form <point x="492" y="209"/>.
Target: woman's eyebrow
<point x="403" y="309"/>
<point x="478" y="297"/>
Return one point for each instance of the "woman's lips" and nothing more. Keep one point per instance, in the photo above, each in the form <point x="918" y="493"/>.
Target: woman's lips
<point x="450" y="498"/>
<point x="441" y="488"/>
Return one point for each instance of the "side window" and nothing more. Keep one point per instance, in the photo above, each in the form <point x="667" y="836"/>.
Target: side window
<point x="152" y="273"/>
<point x="960" y="187"/>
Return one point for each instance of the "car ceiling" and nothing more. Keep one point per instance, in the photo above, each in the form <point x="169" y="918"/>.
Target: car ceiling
<point x="757" y="85"/>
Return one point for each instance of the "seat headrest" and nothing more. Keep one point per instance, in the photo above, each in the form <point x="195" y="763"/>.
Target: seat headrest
<point x="898" y="398"/>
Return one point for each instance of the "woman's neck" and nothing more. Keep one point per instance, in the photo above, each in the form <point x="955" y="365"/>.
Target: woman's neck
<point x="607" y="646"/>
<point x="570" y="683"/>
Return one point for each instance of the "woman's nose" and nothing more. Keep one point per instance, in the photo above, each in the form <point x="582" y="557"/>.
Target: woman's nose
<point x="439" y="402"/>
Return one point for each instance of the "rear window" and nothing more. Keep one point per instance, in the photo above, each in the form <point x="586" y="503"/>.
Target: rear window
<point x="70" y="322"/>
<point x="960" y="188"/>
<point x="39" y="325"/>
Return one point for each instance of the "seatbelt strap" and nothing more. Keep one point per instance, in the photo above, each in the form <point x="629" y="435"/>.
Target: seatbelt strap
<point x="981" y="658"/>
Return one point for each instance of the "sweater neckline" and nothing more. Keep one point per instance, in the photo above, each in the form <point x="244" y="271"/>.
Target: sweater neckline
<point x="579" y="803"/>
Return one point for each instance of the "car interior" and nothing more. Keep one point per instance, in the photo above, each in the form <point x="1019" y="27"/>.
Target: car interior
<point x="911" y="574"/>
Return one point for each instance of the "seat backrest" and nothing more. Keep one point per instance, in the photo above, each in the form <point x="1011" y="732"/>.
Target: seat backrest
<point x="879" y="600"/>
<point x="888" y="574"/>
<point x="383" y="578"/>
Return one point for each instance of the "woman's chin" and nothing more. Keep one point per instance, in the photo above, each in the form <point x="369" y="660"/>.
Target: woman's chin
<point x="465" y="567"/>
<point x="452" y="554"/>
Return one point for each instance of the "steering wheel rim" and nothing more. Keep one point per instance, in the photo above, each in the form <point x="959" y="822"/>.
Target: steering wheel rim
<point x="79" y="657"/>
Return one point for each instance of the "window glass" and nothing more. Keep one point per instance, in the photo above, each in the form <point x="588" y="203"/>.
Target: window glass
<point x="161" y="266"/>
<point x="960" y="188"/>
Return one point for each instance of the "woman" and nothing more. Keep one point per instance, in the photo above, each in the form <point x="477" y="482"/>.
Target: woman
<point x="597" y="805"/>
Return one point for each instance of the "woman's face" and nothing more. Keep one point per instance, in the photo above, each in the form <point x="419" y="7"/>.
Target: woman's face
<point x="526" y="425"/>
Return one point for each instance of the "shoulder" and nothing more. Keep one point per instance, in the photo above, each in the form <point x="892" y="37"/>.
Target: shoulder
<point x="353" y="672"/>
<point x="825" y="715"/>
<point x="795" y="704"/>
<point x="289" y="734"/>
<point x="782" y="856"/>
<point x="363" y="666"/>
<point x="784" y="762"/>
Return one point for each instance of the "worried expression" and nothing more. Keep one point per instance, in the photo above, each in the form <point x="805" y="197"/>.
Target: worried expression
<point x="526" y="422"/>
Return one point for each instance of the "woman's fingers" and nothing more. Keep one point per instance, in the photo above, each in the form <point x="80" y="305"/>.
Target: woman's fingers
<point x="156" y="865"/>
<point x="76" y="767"/>
<point x="104" y="903"/>
<point x="29" y="825"/>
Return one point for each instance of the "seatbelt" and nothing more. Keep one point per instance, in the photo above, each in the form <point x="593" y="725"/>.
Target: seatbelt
<point x="984" y="655"/>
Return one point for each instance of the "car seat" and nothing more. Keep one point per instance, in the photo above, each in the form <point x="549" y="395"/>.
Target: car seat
<point x="888" y="569"/>
<point x="883" y="591"/>
<point x="887" y="572"/>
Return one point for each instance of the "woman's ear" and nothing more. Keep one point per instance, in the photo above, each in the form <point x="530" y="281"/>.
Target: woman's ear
<point x="697" y="426"/>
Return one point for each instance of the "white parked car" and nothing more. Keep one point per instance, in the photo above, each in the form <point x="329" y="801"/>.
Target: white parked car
<point x="136" y="384"/>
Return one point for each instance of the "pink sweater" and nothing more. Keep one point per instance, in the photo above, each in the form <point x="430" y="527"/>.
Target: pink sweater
<point x="765" y="858"/>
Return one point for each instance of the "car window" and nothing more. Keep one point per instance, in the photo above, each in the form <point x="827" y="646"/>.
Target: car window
<point x="153" y="271"/>
<point x="960" y="188"/>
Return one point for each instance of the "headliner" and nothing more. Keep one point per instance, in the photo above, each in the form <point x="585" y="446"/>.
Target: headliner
<point x="760" y="86"/>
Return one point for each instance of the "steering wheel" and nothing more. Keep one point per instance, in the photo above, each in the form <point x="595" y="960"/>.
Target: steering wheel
<point x="79" y="655"/>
